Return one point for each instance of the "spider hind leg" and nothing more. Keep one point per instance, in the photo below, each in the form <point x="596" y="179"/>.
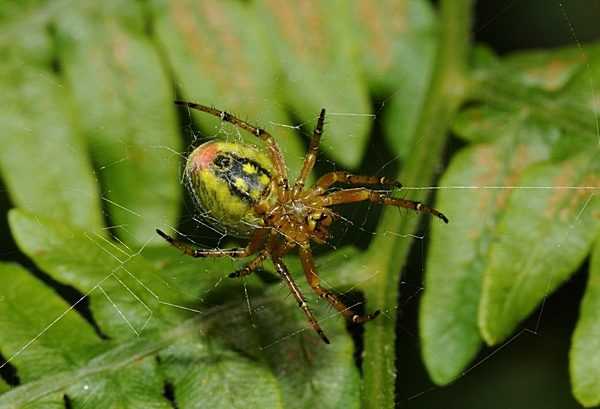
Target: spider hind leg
<point x="312" y="276"/>
<point x="282" y="249"/>
<point x="262" y="256"/>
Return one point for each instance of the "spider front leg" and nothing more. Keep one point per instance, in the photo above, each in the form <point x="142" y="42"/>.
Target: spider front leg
<point x="344" y="177"/>
<point x="312" y="276"/>
<point x="361" y="194"/>
<point x="311" y="156"/>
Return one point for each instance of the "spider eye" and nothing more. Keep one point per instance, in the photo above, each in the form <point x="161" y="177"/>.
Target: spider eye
<point x="223" y="162"/>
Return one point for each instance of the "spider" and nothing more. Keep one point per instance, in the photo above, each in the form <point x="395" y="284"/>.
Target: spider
<point x="246" y="193"/>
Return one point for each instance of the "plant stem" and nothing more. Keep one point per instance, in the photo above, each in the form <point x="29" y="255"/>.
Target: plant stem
<point x="388" y="252"/>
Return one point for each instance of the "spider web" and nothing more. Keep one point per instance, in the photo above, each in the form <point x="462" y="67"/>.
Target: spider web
<point x="530" y="366"/>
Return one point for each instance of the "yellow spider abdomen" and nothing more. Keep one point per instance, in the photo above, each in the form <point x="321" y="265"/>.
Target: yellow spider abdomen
<point x="228" y="179"/>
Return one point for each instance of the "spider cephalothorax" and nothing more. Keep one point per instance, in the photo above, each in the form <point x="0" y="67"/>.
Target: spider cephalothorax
<point x="245" y="192"/>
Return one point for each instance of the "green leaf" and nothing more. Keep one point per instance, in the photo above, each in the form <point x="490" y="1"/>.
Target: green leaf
<point x="553" y="86"/>
<point x="123" y="102"/>
<point x="454" y="272"/>
<point x="208" y="56"/>
<point x="93" y="88"/>
<point x="146" y="314"/>
<point x="57" y="352"/>
<point x="42" y="161"/>
<point x="98" y="268"/>
<point x="399" y="42"/>
<point x="57" y="333"/>
<point x="109" y="379"/>
<point x="280" y="339"/>
<point x="214" y="379"/>
<point x="220" y="57"/>
<point x="559" y="221"/>
<point x="584" y="357"/>
<point x="4" y="387"/>
<point x="524" y="197"/>
<point x="312" y="67"/>
<point x="137" y="385"/>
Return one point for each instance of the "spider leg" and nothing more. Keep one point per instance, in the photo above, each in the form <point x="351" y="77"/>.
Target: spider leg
<point x="283" y="248"/>
<point x="312" y="276"/>
<point x="330" y="178"/>
<point x="311" y="156"/>
<point x="272" y="147"/>
<point x="262" y="256"/>
<point x="360" y="194"/>
<point x="238" y="252"/>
